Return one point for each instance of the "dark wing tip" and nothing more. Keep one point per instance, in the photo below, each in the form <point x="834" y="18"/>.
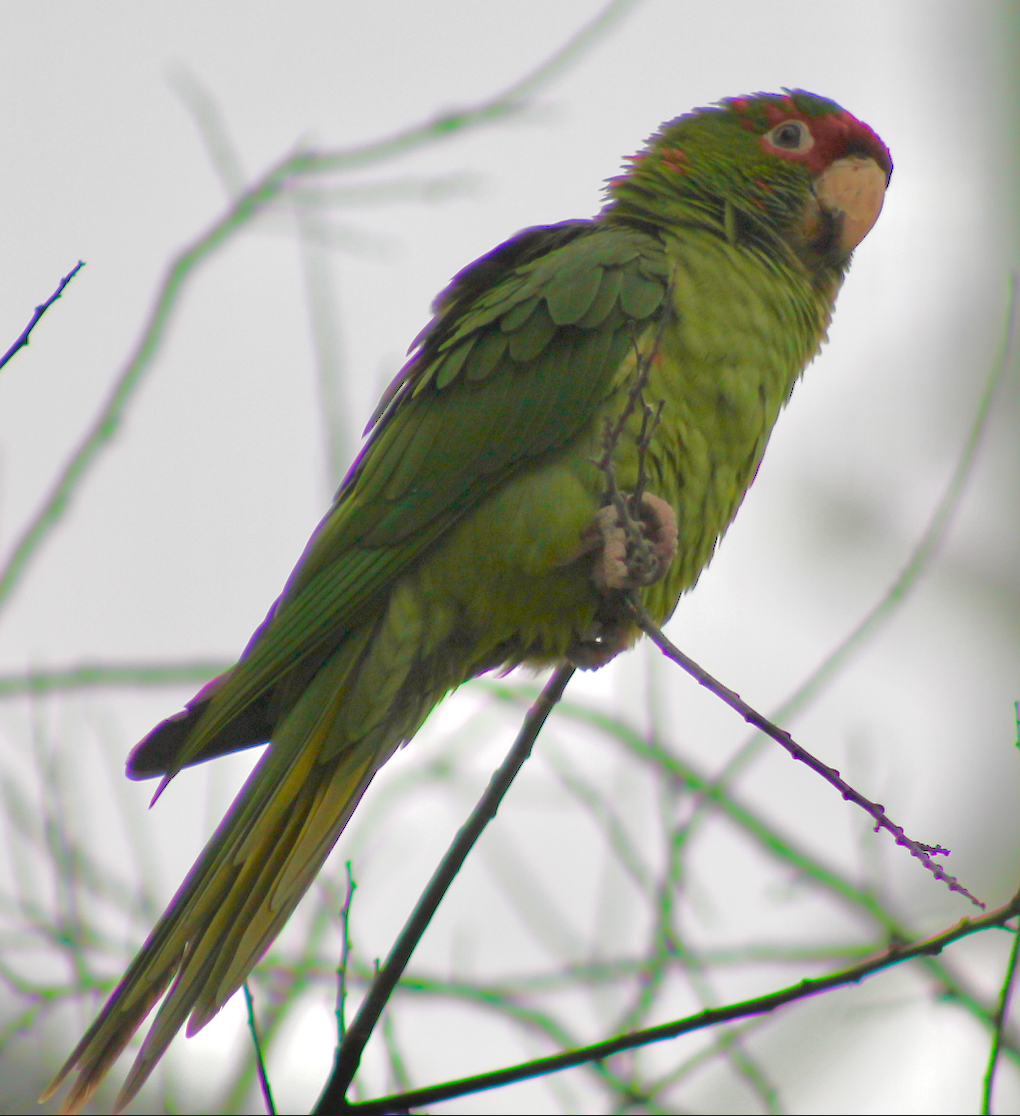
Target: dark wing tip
<point x="158" y="753"/>
<point x="155" y="754"/>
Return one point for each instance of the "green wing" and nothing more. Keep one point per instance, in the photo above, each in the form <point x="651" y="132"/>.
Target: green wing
<point x="521" y="351"/>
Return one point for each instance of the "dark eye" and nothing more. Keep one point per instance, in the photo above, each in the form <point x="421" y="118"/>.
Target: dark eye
<point x="791" y="135"/>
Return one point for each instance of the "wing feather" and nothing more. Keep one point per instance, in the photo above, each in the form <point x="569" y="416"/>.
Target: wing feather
<point x="449" y="367"/>
<point x="604" y="300"/>
<point x="511" y="368"/>
<point x="516" y="317"/>
<point x="571" y="294"/>
<point x="640" y="296"/>
<point x="533" y="336"/>
<point x="488" y="353"/>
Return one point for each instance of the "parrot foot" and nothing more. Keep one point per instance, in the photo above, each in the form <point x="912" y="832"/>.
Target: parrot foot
<point x="632" y="553"/>
<point x="637" y="553"/>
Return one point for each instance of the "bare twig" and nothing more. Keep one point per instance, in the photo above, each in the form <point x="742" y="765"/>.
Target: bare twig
<point x="350" y="1050"/>
<point x="744" y="1010"/>
<point x="22" y="340"/>
<point x="1000" y="1023"/>
<point x="260" y="1061"/>
<point x="212" y="128"/>
<point x="611" y="437"/>
<point x="345" y="957"/>
<point x="924" y="853"/>
<point x="94" y="676"/>
<point x="322" y="301"/>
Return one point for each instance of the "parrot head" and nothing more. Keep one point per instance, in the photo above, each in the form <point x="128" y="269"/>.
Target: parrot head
<point x="793" y="166"/>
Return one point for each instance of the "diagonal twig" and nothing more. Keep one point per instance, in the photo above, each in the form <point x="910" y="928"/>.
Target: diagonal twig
<point x="41" y="309"/>
<point x="345" y="958"/>
<point x="1000" y="1023"/>
<point x="260" y="1061"/>
<point x="924" y="853"/>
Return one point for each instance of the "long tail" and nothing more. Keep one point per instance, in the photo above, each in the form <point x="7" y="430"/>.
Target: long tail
<point x="364" y="702"/>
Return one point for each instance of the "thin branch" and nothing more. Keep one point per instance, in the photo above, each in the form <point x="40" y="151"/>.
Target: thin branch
<point x="923" y="853"/>
<point x="260" y="1061"/>
<point x="1000" y="1023"/>
<point x="212" y="128"/>
<point x="917" y="565"/>
<point x="511" y="101"/>
<point x="388" y="191"/>
<point x="674" y="767"/>
<point x="110" y="674"/>
<point x="505" y="1002"/>
<point x="744" y="1010"/>
<point x="349" y="1053"/>
<point x="345" y="957"/>
<point x="322" y="301"/>
<point x="22" y="340"/>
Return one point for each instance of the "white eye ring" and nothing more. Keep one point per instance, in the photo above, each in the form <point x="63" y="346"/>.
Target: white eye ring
<point x="791" y="135"/>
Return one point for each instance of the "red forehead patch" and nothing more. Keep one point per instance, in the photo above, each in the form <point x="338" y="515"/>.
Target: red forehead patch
<point x="836" y="135"/>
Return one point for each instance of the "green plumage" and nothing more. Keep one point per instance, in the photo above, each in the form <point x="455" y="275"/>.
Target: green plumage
<point x="459" y="542"/>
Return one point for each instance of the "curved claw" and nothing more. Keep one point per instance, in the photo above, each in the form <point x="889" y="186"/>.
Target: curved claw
<point x="630" y="556"/>
<point x="628" y="563"/>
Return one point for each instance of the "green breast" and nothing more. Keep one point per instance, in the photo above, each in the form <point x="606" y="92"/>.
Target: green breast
<point x="724" y="366"/>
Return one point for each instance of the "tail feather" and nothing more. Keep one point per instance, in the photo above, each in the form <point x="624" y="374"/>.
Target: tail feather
<point x="313" y="844"/>
<point x="243" y="888"/>
<point x="363" y="702"/>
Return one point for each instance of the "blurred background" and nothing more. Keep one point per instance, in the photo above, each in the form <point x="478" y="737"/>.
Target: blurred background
<point x="612" y="892"/>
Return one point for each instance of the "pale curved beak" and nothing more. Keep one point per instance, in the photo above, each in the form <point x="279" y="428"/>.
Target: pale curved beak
<point x="853" y="190"/>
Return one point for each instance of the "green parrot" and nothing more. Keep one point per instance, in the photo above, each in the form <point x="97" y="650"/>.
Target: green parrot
<point x="473" y="532"/>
